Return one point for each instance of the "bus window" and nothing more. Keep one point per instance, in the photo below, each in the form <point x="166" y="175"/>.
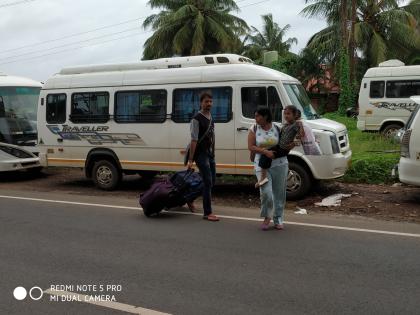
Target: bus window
<point x="56" y="108"/>
<point x="90" y="107"/>
<point x="402" y="89"/>
<point x="187" y="102"/>
<point x="141" y="106"/>
<point x="377" y="89"/>
<point x="252" y="98"/>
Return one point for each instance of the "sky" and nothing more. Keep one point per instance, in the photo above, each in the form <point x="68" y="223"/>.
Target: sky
<point x="40" y="37"/>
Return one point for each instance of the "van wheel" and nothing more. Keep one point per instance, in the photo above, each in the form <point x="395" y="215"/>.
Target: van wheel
<point x="106" y="175"/>
<point x="299" y="181"/>
<point x="391" y="130"/>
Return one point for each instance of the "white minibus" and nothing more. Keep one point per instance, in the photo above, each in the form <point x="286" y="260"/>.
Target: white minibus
<point x="384" y="98"/>
<point x="134" y="118"/>
<point x="409" y="166"/>
<point x="18" y="135"/>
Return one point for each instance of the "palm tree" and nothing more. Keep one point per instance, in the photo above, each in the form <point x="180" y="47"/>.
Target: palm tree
<point x="383" y="29"/>
<point x="192" y="27"/>
<point x="271" y="38"/>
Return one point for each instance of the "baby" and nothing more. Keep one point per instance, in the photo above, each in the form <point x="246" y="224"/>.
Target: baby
<point x="288" y="133"/>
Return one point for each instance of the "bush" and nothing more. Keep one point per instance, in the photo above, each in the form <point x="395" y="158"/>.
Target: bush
<point x="371" y="170"/>
<point x="374" y="156"/>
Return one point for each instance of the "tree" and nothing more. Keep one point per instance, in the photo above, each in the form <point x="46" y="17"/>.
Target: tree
<point x="270" y="38"/>
<point x="382" y="28"/>
<point x="192" y="27"/>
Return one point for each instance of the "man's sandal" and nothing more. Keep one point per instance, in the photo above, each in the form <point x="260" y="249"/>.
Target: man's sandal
<point x="211" y="217"/>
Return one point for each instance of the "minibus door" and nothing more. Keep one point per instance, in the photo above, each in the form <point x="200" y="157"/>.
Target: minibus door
<point x="252" y="96"/>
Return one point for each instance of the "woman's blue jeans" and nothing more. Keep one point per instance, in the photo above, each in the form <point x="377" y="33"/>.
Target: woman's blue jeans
<point x="273" y="194"/>
<point x="207" y="167"/>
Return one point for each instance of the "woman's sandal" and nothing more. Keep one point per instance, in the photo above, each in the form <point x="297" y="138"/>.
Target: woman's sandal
<point x="279" y="227"/>
<point x="211" y="217"/>
<point x="265" y="226"/>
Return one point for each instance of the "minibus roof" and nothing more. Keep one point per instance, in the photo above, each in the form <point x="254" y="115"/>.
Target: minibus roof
<point x="401" y="71"/>
<point x="166" y="71"/>
<point x="8" y="80"/>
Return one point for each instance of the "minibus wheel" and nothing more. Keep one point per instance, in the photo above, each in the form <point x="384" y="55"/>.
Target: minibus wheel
<point x="391" y="130"/>
<point x="106" y="175"/>
<point x="299" y="181"/>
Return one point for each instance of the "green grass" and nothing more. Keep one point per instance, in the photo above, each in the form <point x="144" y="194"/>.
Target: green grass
<point x="373" y="156"/>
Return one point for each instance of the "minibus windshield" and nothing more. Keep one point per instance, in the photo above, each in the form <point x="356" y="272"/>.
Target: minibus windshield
<point x="300" y="99"/>
<point x="412" y="116"/>
<point x="18" y="111"/>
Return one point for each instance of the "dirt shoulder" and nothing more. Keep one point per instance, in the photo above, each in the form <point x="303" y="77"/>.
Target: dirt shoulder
<point x="396" y="203"/>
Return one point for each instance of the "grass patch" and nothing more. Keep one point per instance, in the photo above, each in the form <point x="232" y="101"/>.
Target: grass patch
<point x="373" y="155"/>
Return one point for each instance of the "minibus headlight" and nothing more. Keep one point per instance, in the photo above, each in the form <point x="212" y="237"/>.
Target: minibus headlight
<point x="334" y="143"/>
<point x="15" y="152"/>
<point x="405" y="144"/>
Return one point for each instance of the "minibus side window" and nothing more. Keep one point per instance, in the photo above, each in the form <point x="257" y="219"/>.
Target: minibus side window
<point x="146" y="106"/>
<point x="56" y="108"/>
<point x="377" y="89"/>
<point x="252" y="98"/>
<point x="90" y="107"/>
<point x="186" y="103"/>
<point x="402" y="89"/>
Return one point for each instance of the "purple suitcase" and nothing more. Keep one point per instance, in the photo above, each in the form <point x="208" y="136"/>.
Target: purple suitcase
<point x="156" y="198"/>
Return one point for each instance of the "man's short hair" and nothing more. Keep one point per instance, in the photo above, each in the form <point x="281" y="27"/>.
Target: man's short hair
<point x="204" y="95"/>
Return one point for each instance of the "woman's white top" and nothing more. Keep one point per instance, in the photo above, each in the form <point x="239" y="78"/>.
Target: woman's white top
<point x="266" y="139"/>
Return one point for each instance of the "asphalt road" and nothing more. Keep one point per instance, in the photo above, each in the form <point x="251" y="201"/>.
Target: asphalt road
<point x="180" y="264"/>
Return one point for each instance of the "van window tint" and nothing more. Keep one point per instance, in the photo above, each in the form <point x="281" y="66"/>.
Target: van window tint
<point x="141" y="106"/>
<point x="402" y="89"/>
<point x="186" y="103"/>
<point x="90" y="107"/>
<point x="254" y="97"/>
<point x="56" y="108"/>
<point x="377" y="89"/>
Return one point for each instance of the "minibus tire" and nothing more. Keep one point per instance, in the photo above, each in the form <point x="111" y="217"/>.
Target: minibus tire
<point x="386" y="132"/>
<point x="106" y="175"/>
<point x="299" y="181"/>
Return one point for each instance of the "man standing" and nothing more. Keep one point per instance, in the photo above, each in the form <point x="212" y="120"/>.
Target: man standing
<point x="202" y="151"/>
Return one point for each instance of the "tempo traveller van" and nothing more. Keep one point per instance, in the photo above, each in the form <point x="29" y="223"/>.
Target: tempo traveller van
<point x="409" y="166"/>
<point x="134" y="118"/>
<point x="384" y="98"/>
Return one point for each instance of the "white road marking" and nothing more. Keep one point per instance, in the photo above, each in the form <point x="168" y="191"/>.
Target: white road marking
<point x="323" y="226"/>
<point x="108" y="304"/>
<point x="71" y="203"/>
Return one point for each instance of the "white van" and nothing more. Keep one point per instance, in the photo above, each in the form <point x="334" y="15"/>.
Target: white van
<point x="134" y="118"/>
<point x="384" y="98"/>
<point x="18" y="135"/>
<point x="409" y="166"/>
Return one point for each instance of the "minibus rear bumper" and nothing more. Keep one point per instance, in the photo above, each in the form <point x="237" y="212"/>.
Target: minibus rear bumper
<point x="409" y="171"/>
<point x="361" y="124"/>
